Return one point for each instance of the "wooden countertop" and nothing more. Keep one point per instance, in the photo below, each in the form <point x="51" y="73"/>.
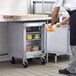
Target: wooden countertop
<point x="24" y="16"/>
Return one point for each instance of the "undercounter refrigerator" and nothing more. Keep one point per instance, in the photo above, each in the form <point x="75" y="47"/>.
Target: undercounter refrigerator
<point x="58" y="41"/>
<point x="26" y="41"/>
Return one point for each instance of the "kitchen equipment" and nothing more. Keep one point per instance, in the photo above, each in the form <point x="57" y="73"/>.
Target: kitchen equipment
<point x="51" y="28"/>
<point x="28" y="48"/>
<point x="36" y="36"/>
<point x="29" y="37"/>
<point x="35" y="48"/>
<point x="23" y="46"/>
<point x="58" y="42"/>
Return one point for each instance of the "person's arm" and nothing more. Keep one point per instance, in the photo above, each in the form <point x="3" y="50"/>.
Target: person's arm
<point x="55" y="15"/>
<point x="64" y="21"/>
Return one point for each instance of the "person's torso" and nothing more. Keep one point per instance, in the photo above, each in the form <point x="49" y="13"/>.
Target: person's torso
<point x="69" y="4"/>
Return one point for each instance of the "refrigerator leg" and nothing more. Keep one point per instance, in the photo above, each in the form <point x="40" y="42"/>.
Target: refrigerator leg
<point x="47" y="57"/>
<point x="55" y="58"/>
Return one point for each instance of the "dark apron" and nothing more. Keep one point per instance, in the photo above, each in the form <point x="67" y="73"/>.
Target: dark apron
<point x="72" y="24"/>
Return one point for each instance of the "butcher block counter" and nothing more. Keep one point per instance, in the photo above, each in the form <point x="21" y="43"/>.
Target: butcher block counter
<point x="24" y="18"/>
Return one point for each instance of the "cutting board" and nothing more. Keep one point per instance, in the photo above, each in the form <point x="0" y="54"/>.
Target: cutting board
<point x="25" y="16"/>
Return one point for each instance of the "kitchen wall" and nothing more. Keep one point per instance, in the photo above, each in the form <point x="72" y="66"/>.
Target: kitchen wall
<point x="17" y="7"/>
<point x="13" y="7"/>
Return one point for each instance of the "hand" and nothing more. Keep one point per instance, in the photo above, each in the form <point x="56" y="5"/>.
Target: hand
<point x="58" y="25"/>
<point x="49" y="25"/>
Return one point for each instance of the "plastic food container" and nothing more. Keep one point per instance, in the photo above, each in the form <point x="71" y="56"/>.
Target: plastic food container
<point x="29" y="37"/>
<point x="35" y="48"/>
<point x="36" y="36"/>
<point x="28" y="48"/>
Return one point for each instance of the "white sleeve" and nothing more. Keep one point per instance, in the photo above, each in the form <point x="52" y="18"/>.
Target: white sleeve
<point x="59" y="3"/>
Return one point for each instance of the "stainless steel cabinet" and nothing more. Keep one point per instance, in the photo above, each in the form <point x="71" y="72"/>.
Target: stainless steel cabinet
<point x="58" y="41"/>
<point x="3" y="42"/>
<point x="27" y="40"/>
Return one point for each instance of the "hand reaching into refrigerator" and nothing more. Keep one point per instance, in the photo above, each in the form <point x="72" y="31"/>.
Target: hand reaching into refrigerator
<point x="52" y="28"/>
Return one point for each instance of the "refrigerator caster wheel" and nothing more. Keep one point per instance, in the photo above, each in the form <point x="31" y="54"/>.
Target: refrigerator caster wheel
<point x="25" y="64"/>
<point x="13" y="60"/>
<point x="43" y="61"/>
